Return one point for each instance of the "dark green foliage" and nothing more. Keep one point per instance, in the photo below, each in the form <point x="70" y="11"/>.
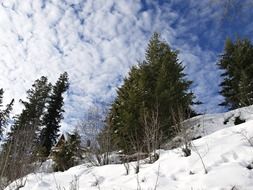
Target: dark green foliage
<point x="225" y="121"/>
<point x="74" y="143"/>
<point x="186" y="151"/>
<point x="30" y="120"/>
<point x="4" y="114"/>
<point x="237" y="65"/>
<point x="38" y="123"/>
<point x="62" y="158"/>
<point x="238" y="120"/>
<point x="19" y="148"/>
<point x="68" y="154"/>
<point x="53" y="116"/>
<point x="157" y="83"/>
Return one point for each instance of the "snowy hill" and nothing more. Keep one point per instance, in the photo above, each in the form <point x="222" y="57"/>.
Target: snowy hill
<point x="226" y="152"/>
<point x="206" y="124"/>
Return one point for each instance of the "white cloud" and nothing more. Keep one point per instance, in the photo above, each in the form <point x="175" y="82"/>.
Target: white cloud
<point x="96" y="42"/>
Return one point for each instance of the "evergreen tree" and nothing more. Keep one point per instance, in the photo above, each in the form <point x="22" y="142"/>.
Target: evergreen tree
<point x="34" y="108"/>
<point x="62" y="157"/>
<point x="237" y="65"/>
<point x="157" y="83"/>
<point x="4" y="114"/>
<point x="20" y="147"/>
<point x="74" y="145"/>
<point x="54" y="115"/>
<point x="68" y="154"/>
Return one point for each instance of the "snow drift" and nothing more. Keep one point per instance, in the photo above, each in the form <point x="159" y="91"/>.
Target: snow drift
<point x="226" y="150"/>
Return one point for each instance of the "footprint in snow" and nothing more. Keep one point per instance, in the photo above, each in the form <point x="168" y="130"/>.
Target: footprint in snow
<point x="235" y="156"/>
<point x="229" y="157"/>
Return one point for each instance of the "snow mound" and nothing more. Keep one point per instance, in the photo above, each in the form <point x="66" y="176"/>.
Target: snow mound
<point x="227" y="155"/>
<point x="206" y="124"/>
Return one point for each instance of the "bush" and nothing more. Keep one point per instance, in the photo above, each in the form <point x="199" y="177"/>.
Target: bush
<point x="238" y="120"/>
<point x="68" y="154"/>
<point x="63" y="158"/>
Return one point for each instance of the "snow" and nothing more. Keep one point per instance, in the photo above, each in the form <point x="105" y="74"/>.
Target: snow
<point x="209" y="123"/>
<point x="224" y="149"/>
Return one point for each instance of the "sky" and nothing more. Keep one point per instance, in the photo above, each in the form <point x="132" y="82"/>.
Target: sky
<point x="97" y="42"/>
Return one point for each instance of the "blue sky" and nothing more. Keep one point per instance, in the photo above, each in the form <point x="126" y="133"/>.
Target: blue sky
<point x="97" y="42"/>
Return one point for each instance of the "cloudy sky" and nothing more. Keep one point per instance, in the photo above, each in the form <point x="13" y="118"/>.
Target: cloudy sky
<point x="97" y="41"/>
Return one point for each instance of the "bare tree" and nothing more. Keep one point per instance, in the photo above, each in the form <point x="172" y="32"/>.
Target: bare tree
<point x="89" y="127"/>
<point x="245" y="137"/>
<point x="182" y="129"/>
<point x="94" y="130"/>
<point x="126" y="166"/>
<point x="146" y="145"/>
<point x="138" y="148"/>
<point x="152" y="133"/>
<point x="16" y="159"/>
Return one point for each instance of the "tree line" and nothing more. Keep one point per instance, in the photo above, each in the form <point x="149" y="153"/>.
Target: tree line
<point x="158" y="93"/>
<point x="35" y="130"/>
<point x="150" y="105"/>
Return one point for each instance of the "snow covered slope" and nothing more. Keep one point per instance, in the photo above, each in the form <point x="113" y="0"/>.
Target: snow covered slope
<point x="226" y="153"/>
<point x="206" y="124"/>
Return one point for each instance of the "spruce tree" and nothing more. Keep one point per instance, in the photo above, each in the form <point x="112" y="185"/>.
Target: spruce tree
<point x="54" y="115"/>
<point x="237" y="65"/>
<point x="157" y="83"/>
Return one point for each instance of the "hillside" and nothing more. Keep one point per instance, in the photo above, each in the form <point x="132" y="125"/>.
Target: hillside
<point x="226" y="153"/>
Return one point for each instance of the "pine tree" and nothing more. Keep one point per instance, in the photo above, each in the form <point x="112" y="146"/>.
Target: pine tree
<point x="74" y="144"/>
<point x="237" y="65"/>
<point x="54" y="115"/>
<point x="157" y="83"/>
<point x="34" y="108"/>
<point x="4" y="114"/>
<point x="68" y="154"/>
<point x="19" y="149"/>
<point x="62" y="157"/>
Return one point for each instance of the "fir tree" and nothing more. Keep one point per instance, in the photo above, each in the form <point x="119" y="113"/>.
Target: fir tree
<point x="54" y="115"/>
<point x="156" y="83"/>
<point x="237" y="65"/>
